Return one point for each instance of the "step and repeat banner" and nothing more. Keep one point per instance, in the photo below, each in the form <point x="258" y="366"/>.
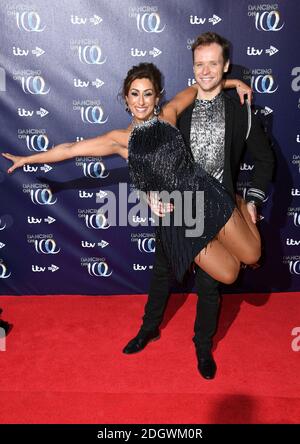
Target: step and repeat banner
<point x="61" y="69"/>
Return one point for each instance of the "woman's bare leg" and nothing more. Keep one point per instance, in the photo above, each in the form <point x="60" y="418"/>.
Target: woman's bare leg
<point x="239" y="239"/>
<point x="218" y="262"/>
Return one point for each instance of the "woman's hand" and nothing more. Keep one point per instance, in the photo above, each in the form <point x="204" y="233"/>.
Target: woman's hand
<point x="18" y="161"/>
<point x="242" y="89"/>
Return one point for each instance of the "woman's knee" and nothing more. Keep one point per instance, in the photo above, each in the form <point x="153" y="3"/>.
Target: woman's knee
<point x="229" y="275"/>
<point x="230" y="278"/>
<point x="251" y="256"/>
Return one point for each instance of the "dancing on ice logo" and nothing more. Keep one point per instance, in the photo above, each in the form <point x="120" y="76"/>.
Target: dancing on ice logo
<point x="266" y="17"/>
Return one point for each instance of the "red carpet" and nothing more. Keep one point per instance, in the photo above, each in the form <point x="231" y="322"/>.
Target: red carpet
<point x="63" y="362"/>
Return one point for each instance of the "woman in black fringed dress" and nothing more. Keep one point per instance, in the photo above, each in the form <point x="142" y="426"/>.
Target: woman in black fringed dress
<point x="159" y="161"/>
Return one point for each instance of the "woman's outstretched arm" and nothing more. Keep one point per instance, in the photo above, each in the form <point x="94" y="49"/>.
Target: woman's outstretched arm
<point x="113" y="142"/>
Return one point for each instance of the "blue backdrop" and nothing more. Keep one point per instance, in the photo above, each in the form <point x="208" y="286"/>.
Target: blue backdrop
<point x="61" y="69"/>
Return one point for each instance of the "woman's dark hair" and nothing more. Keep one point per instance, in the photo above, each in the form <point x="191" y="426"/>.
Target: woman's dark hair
<point x="143" y="71"/>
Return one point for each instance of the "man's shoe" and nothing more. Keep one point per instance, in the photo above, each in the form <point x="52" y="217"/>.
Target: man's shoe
<point x="138" y="343"/>
<point x="206" y="364"/>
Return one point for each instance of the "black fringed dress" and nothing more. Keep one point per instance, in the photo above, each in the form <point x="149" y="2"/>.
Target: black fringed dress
<point x="159" y="161"/>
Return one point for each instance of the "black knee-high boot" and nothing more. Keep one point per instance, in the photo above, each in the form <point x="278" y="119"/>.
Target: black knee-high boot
<point x="207" y="310"/>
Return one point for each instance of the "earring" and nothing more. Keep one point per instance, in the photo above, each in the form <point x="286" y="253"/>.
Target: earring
<point x="156" y="110"/>
<point x="128" y="110"/>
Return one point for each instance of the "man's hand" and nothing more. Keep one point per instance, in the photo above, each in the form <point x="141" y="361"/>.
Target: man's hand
<point x="251" y="207"/>
<point x="157" y="207"/>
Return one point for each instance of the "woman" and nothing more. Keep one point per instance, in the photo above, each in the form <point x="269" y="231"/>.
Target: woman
<point x="158" y="160"/>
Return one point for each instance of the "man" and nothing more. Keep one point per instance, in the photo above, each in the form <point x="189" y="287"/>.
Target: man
<point x="217" y="129"/>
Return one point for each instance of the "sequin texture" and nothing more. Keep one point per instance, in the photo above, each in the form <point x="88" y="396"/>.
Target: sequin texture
<point x="208" y="135"/>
